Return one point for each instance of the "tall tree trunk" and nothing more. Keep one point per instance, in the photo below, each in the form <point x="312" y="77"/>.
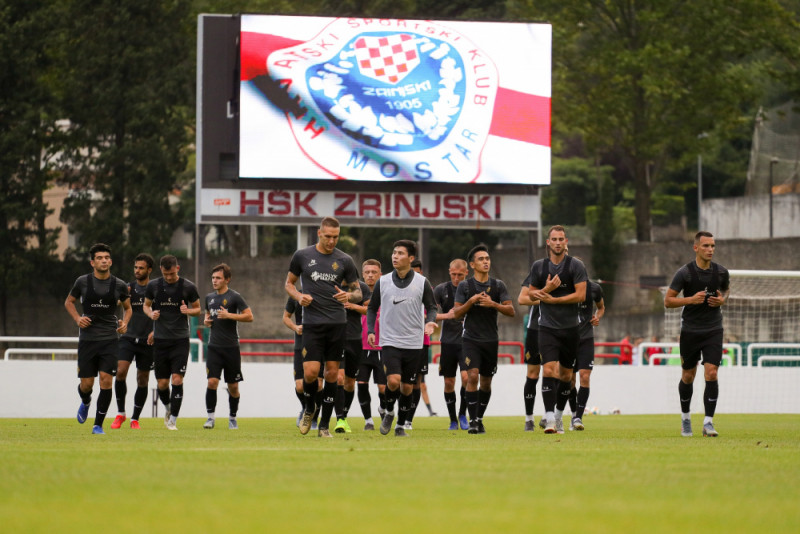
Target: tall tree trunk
<point x="641" y="208"/>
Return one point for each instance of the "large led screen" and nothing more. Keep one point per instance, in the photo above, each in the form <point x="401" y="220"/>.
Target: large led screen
<point x="394" y="100"/>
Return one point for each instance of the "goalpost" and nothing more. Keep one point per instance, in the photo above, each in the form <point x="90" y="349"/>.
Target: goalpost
<point x="763" y="310"/>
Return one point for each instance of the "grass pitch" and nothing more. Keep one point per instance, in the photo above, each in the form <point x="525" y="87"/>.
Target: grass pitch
<point x="623" y="474"/>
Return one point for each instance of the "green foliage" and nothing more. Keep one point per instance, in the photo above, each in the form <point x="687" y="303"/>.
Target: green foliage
<point x="27" y="130"/>
<point x="605" y="243"/>
<point x="125" y="85"/>
<point x="667" y="209"/>
<point x="573" y="187"/>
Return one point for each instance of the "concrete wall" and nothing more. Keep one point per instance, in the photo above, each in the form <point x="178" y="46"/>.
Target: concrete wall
<point x="268" y="392"/>
<point x="748" y="217"/>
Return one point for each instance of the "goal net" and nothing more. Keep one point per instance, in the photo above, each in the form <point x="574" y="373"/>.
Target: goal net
<point x="764" y="309"/>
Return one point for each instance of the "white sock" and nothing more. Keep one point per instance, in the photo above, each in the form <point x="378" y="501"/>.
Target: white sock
<point x="707" y="420"/>
<point x="559" y="413"/>
<point x="529" y="417"/>
<point x="549" y="416"/>
<point x="686" y="416"/>
<point x="211" y="416"/>
<point x="369" y="421"/>
<point x="172" y="419"/>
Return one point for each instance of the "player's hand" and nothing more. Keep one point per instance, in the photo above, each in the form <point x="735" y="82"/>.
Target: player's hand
<point x="698" y="298"/>
<point x="475" y="299"/>
<point x="485" y="300"/>
<point x="371" y="340"/>
<point x="340" y="295"/>
<point x="305" y="300"/>
<point x="552" y="284"/>
<point x="595" y="320"/>
<point x="184" y="308"/>
<point x="429" y="328"/>
<point x="349" y="305"/>
<point x="84" y="322"/>
<point x="223" y="313"/>
<point x="150" y="338"/>
<point x="716" y="301"/>
<point x="208" y="321"/>
<point x="299" y="330"/>
<point x="121" y="327"/>
<point x="536" y="294"/>
<point x="155" y="315"/>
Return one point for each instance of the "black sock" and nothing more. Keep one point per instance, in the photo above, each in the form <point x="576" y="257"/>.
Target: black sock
<point x="583" y="399"/>
<point x="573" y="400"/>
<point x="338" y="402"/>
<point x="348" y="401"/>
<point x="710" y="396"/>
<point x="404" y="411"/>
<point x="462" y="410"/>
<point x="416" y="395"/>
<point x="301" y="398"/>
<point x="382" y="400"/>
<point x="391" y="397"/>
<point x="163" y="395"/>
<point x="472" y="404"/>
<point x="450" y="402"/>
<point x="211" y="401"/>
<point x="562" y="395"/>
<point x="309" y="393"/>
<point x="549" y="386"/>
<point x="483" y="401"/>
<point x="530" y="394"/>
<point x="120" y="390"/>
<point x="139" y="398"/>
<point x="233" y="404"/>
<point x="103" y="402"/>
<point x="328" y="400"/>
<point x="685" y="395"/>
<point x="86" y="398"/>
<point x="176" y="399"/>
<point x="364" y="400"/>
<point x="318" y="396"/>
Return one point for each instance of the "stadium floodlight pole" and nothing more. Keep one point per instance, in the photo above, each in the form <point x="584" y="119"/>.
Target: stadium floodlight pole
<point x="772" y="163"/>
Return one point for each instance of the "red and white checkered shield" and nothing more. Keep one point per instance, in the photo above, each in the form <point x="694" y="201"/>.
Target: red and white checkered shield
<point x="387" y="59"/>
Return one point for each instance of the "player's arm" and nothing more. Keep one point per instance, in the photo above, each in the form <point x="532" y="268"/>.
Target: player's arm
<point x="69" y="304"/>
<point x="291" y="289"/>
<point x="431" y="310"/>
<point x="245" y="316"/>
<point x="193" y="309"/>
<point x="372" y="312"/>
<point x="354" y="294"/>
<point x="720" y="299"/>
<point x="505" y="307"/>
<point x="579" y="295"/>
<point x="288" y="320"/>
<point x="598" y="314"/>
<point x="127" y="313"/>
<point x="147" y="308"/>
<point x="524" y="297"/>
<point x="672" y="300"/>
<point x="360" y="308"/>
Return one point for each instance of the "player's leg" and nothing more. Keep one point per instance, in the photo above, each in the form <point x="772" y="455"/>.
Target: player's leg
<point x="213" y="374"/>
<point x="126" y="356"/>
<point x="161" y="370"/>
<point x="568" y="353"/>
<point x="88" y="367"/>
<point x="486" y="370"/>
<point x="712" y="358"/>
<point x="448" y="364"/>
<point x="409" y="374"/>
<point x="582" y="372"/>
<point x="690" y="347"/>
<point x="533" y="360"/>
<point x="144" y="364"/>
<point x="108" y="354"/>
<point x="393" y="368"/>
<point x="179" y="358"/>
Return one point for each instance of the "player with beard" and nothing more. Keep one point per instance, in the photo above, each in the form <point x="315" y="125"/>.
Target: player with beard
<point x="136" y="343"/>
<point x="478" y="300"/>
<point x="98" y="340"/>
<point x="165" y="302"/>
<point x="451" y="358"/>
<point x="323" y="271"/>
<point x="558" y="282"/>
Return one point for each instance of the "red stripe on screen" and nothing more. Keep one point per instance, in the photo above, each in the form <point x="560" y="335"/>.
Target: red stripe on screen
<point x="256" y="48"/>
<point x="522" y="117"/>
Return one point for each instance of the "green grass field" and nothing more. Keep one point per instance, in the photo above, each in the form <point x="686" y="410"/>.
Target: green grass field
<point x="623" y="474"/>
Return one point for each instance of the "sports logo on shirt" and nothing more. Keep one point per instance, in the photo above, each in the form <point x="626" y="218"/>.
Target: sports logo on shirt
<point x="395" y="100"/>
<point x="335" y="266"/>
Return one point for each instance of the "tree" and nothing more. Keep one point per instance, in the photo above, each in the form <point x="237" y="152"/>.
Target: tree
<point x="605" y="243"/>
<point x="27" y="131"/>
<point x="127" y="91"/>
<point x="646" y="77"/>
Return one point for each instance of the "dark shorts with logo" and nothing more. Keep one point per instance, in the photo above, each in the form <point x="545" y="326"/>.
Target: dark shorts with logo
<point x="323" y="342"/>
<point x="171" y="357"/>
<point x="696" y="344"/>
<point x="352" y="357"/>
<point x="372" y="363"/>
<point x="559" y="345"/>
<point x="141" y="352"/>
<point x="585" y="359"/>
<point x="532" y="355"/>
<point x="451" y="359"/>
<point x="481" y="355"/>
<point x="403" y="362"/>
<point x="97" y="356"/>
<point x="228" y="359"/>
<point x="424" y="357"/>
